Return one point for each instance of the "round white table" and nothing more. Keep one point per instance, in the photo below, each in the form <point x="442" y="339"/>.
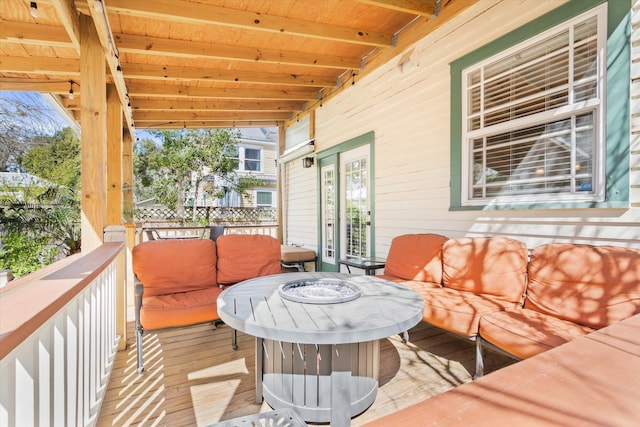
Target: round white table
<point x="319" y="359"/>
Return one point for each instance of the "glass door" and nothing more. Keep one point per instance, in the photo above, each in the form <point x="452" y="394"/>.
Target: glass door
<point x="355" y="207"/>
<point x="328" y="215"/>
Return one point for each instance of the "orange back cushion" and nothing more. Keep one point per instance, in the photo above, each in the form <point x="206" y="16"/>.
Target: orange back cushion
<point x="245" y="256"/>
<point x="172" y="266"/>
<point x="489" y="266"/>
<point x="416" y="257"/>
<point x="590" y="285"/>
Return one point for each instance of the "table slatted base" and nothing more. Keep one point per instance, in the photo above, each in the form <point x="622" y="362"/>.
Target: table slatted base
<point x="321" y="383"/>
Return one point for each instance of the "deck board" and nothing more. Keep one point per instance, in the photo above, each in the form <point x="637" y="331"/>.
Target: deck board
<point x="193" y="377"/>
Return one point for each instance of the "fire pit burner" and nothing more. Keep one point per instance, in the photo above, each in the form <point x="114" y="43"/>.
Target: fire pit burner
<point x="319" y="291"/>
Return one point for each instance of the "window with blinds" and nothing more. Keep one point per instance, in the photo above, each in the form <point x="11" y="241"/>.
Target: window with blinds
<point x="533" y="117"/>
<point x="264" y="198"/>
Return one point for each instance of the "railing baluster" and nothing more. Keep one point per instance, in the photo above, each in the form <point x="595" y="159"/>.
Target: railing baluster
<point x="58" y="374"/>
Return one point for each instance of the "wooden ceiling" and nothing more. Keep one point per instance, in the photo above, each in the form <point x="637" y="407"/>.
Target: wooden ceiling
<point x="211" y="63"/>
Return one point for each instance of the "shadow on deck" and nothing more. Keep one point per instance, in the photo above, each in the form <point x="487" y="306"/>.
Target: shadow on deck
<point x="193" y="378"/>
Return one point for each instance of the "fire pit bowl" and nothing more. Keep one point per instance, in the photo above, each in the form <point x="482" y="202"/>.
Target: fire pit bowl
<point x="319" y="291"/>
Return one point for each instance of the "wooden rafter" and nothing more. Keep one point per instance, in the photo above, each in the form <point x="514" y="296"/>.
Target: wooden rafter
<point x="174" y="124"/>
<point x="51" y="86"/>
<point x="69" y="17"/>
<point x="214" y="105"/>
<point x="40" y="65"/>
<point x="106" y="40"/>
<point x="38" y="34"/>
<point x="417" y="7"/>
<point x="302" y="94"/>
<point x="47" y="35"/>
<point x="144" y="45"/>
<point x="177" y="73"/>
<point x="190" y="13"/>
<point x="188" y="116"/>
<point x="204" y="58"/>
<point x="71" y="67"/>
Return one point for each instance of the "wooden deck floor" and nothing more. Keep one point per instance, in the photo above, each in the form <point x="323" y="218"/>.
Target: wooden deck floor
<point x="193" y="377"/>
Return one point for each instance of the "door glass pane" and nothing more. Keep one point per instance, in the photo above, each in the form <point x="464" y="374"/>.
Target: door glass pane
<point x="357" y="211"/>
<point x="328" y="188"/>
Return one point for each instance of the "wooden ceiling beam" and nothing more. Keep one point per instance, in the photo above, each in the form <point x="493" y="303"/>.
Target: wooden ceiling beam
<point x="163" y="90"/>
<point x="69" y="16"/>
<point x="413" y="7"/>
<point x="57" y="87"/>
<point x="188" y="116"/>
<point x="36" y="34"/>
<point x="144" y="45"/>
<point x="196" y="13"/>
<point x="40" y="65"/>
<point x="170" y="72"/>
<point x="206" y="124"/>
<point x="213" y="105"/>
<point x="47" y="35"/>
<point x="71" y="66"/>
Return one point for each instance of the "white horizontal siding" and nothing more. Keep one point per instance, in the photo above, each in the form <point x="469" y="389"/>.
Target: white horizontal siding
<point x="300" y="205"/>
<point x="407" y="106"/>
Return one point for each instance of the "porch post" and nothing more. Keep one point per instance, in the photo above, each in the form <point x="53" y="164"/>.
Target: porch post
<point x="127" y="207"/>
<point x="280" y="170"/>
<point x="114" y="157"/>
<point x="127" y="177"/>
<point x="93" y="114"/>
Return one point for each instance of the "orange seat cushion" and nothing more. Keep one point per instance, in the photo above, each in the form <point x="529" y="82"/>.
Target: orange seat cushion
<point x="416" y="285"/>
<point x="416" y="257"/>
<point x="525" y="333"/>
<point x="172" y="266"/>
<point x="245" y="256"/>
<point x="458" y="311"/>
<point x="181" y="309"/>
<point x="590" y="285"/>
<point x="494" y="267"/>
<point x="291" y="254"/>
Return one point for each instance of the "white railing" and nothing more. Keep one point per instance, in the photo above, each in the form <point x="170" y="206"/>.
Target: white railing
<point x="57" y="375"/>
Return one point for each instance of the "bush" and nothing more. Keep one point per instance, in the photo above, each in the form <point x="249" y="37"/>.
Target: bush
<point x="23" y="254"/>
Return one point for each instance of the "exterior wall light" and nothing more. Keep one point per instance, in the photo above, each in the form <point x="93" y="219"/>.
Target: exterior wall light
<point x="307" y="162"/>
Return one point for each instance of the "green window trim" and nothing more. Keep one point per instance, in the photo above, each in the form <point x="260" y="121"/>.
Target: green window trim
<point x="617" y="102"/>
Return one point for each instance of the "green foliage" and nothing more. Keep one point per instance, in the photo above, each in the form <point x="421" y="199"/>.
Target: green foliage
<point x="24" y="254"/>
<point x="53" y="217"/>
<point x="58" y="161"/>
<point x="39" y="225"/>
<point x="188" y="159"/>
<point x="25" y="121"/>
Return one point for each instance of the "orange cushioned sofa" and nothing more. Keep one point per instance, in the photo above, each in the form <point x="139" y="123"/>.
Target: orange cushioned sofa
<point x="572" y="290"/>
<point x="179" y="280"/>
<point x="486" y="289"/>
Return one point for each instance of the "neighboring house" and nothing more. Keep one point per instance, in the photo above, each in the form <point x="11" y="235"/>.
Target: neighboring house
<point x="513" y="120"/>
<point x="256" y="156"/>
<point x="16" y="185"/>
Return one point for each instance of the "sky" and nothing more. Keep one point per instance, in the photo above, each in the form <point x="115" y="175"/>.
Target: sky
<point x="38" y="103"/>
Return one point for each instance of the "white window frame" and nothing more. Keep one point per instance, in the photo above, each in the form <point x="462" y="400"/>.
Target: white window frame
<point x="265" y="190"/>
<point x="242" y="158"/>
<point x="598" y="180"/>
